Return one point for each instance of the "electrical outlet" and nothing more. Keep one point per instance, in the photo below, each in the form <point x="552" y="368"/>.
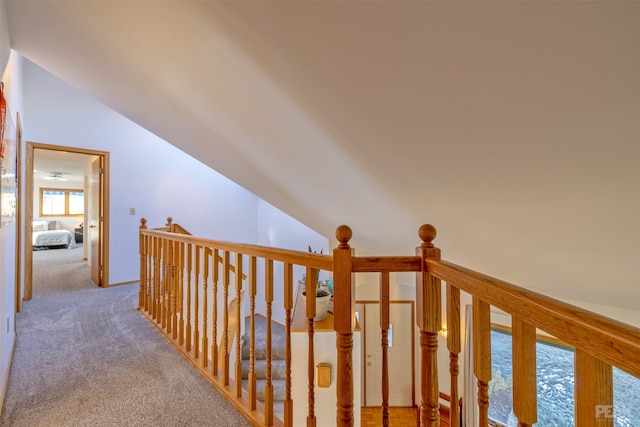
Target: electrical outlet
<point x="132" y="211"/>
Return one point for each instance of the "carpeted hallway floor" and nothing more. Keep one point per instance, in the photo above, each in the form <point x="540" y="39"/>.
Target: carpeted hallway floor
<point x="84" y="356"/>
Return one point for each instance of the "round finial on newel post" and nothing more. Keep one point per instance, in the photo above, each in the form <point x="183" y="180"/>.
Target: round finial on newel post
<point x="169" y="220"/>
<point x="427" y="234"/>
<point x="344" y="234"/>
<point x="143" y="222"/>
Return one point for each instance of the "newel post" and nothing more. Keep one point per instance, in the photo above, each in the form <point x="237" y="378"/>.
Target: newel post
<point x="429" y="321"/>
<point x="143" y="265"/>
<point x="344" y="324"/>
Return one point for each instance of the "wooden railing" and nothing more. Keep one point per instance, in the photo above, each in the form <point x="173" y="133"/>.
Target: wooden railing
<point x="175" y="273"/>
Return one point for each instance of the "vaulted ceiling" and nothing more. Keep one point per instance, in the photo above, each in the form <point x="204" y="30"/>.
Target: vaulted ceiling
<point x="511" y="126"/>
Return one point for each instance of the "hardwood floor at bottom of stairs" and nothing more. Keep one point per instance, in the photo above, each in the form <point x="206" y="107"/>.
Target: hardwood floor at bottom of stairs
<point x="398" y="417"/>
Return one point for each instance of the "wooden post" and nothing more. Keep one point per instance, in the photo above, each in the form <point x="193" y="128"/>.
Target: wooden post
<point x="482" y="356"/>
<point x="143" y="265"/>
<point x="384" y="329"/>
<point x="344" y="323"/>
<point x="593" y="391"/>
<point x="525" y="393"/>
<point x="429" y="321"/>
<point x="169" y="224"/>
<point x="453" y="344"/>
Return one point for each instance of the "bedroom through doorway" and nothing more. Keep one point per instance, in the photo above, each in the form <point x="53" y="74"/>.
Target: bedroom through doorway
<point x="66" y="218"/>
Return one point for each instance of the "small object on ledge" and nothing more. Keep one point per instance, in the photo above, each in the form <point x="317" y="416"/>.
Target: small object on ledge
<point x="323" y="373"/>
<point x="79" y="234"/>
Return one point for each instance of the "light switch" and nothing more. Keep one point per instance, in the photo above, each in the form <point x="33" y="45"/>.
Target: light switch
<point x="132" y="211"/>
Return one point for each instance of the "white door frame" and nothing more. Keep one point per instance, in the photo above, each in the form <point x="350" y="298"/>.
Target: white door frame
<point x="363" y="323"/>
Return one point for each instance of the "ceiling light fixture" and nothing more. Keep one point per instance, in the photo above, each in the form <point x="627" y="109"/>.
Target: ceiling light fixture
<point x="55" y="176"/>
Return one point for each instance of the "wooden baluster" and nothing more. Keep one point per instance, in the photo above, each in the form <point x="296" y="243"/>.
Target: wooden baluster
<point x="158" y="296"/>
<point x="169" y="288"/>
<point x="214" y="315"/>
<point x="525" y="391"/>
<point x="482" y="355"/>
<point x="268" y="388"/>
<point x="453" y="344"/>
<point x="163" y="285"/>
<point x="344" y="323"/>
<point x="310" y="289"/>
<point x="593" y="391"/>
<point x="225" y="331"/>
<point x="175" y="289"/>
<point x="205" y="308"/>
<point x="143" y="265"/>
<point x="188" y="337"/>
<point x="196" y="304"/>
<point x="288" y="306"/>
<point x="429" y="321"/>
<point x="181" y="295"/>
<point x="384" y="329"/>
<point x="252" y="333"/>
<point x="150" y="276"/>
<point x="238" y="370"/>
<point x="156" y="278"/>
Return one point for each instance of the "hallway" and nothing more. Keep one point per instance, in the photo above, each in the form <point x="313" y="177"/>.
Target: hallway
<point x="84" y="356"/>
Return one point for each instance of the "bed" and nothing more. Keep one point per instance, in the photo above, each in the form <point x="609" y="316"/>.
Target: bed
<point x="47" y="235"/>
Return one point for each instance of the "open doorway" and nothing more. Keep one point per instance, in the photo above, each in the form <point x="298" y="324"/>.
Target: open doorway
<point x="401" y="353"/>
<point x="69" y="193"/>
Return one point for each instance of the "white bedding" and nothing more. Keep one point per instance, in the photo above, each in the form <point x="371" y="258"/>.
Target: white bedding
<point x="54" y="238"/>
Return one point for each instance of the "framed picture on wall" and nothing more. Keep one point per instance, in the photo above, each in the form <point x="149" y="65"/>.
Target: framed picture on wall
<point x="8" y="165"/>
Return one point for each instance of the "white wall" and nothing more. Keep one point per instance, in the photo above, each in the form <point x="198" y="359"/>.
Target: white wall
<point x="325" y="398"/>
<point x="12" y="86"/>
<point x="146" y="172"/>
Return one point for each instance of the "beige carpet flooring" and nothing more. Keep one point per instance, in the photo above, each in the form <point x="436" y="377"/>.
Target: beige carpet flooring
<point x="84" y="356"/>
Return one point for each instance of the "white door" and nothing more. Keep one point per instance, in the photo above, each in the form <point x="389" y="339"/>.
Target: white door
<point x="399" y="355"/>
<point x="95" y="221"/>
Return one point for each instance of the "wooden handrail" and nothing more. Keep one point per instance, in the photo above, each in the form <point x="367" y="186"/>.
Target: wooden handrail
<point x="174" y="278"/>
<point x="612" y="341"/>
<point x="317" y="261"/>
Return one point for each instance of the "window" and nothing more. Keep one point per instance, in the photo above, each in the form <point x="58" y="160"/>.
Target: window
<point x="555" y="385"/>
<point x="61" y="202"/>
